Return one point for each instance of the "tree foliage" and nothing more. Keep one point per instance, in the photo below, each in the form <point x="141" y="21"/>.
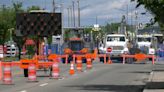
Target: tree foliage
<point x="8" y="21"/>
<point x="33" y="8"/>
<point x="155" y="7"/>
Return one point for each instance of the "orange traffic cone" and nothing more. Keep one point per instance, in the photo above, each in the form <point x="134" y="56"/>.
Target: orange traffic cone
<point x="79" y="64"/>
<point x="7" y="78"/>
<point x="109" y="61"/>
<point x="72" y="71"/>
<point x="55" y="70"/>
<point x="89" y="63"/>
<point x="32" y="73"/>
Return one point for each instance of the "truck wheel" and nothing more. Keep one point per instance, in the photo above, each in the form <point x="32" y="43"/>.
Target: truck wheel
<point x="25" y="72"/>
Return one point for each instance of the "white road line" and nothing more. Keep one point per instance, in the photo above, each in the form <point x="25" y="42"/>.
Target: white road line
<point x="61" y="78"/>
<point x="44" y="84"/>
<point x="23" y="91"/>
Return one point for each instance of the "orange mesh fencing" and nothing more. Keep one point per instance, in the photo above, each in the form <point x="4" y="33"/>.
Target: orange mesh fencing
<point x="84" y="50"/>
<point x="67" y="51"/>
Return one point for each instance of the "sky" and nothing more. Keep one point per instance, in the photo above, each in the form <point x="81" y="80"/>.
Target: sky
<point x="105" y="11"/>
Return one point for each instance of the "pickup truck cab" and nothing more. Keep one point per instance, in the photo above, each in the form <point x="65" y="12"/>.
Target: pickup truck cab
<point x="144" y="43"/>
<point x="117" y="43"/>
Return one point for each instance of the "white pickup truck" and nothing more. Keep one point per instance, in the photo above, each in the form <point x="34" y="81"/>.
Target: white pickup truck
<point x="117" y="43"/>
<point x="144" y="43"/>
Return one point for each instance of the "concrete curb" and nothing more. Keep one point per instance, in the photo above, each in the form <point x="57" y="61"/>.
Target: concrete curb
<point x="149" y="80"/>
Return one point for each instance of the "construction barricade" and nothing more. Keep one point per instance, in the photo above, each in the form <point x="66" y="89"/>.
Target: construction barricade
<point x="89" y="60"/>
<point x="139" y="57"/>
<point x="104" y="56"/>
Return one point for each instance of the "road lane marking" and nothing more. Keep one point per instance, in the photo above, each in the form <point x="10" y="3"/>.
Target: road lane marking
<point x="23" y="91"/>
<point x="61" y="78"/>
<point x="44" y="84"/>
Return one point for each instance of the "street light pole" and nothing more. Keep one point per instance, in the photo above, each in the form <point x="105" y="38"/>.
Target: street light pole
<point x="136" y="25"/>
<point x="73" y="6"/>
<point x="53" y="4"/>
<point x="71" y="16"/>
<point x="68" y="17"/>
<point x="62" y="14"/>
<point x="11" y="45"/>
<point x="127" y="11"/>
<point x="78" y="2"/>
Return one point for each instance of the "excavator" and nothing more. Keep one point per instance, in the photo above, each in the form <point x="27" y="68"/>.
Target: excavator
<point x="78" y="42"/>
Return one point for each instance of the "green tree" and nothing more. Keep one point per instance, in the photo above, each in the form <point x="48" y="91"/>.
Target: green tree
<point x="17" y="8"/>
<point x="156" y="8"/>
<point x="6" y="23"/>
<point x="33" y="8"/>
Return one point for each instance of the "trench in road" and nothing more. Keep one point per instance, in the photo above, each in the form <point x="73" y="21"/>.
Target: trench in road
<point x="91" y="81"/>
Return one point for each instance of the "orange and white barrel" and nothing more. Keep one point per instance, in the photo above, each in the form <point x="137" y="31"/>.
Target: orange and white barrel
<point x="55" y="70"/>
<point x="7" y="75"/>
<point x="89" y="63"/>
<point x="32" y="73"/>
<point x="79" y="64"/>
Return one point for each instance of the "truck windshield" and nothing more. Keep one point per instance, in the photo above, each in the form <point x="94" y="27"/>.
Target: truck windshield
<point x="76" y="45"/>
<point x="140" y="39"/>
<point x="116" y="38"/>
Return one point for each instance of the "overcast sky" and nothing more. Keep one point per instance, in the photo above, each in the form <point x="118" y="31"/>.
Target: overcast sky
<point x="107" y="11"/>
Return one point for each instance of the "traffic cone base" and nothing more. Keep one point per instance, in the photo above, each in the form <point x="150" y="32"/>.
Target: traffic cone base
<point x="72" y="71"/>
<point x="109" y="61"/>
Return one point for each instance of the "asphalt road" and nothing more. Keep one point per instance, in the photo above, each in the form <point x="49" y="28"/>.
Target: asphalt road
<point x="102" y="78"/>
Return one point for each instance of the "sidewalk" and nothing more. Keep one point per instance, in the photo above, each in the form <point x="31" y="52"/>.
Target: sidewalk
<point x="156" y="79"/>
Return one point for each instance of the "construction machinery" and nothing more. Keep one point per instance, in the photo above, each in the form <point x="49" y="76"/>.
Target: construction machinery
<point x="77" y="42"/>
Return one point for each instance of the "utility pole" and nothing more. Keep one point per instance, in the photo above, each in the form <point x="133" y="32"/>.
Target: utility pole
<point x="71" y="15"/>
<point x="73" y="6"/>
<point x="136" y="25"/>
<point x="45" y="4"/>
<point x="96" y="19"/>
<point x="53" y="5"/>
<point x="78" y="2"/>
<point x="68" y="9"/>
<point x="132" y="25"/>
<point x="62" y="36"/>
<point x="127" y="11"/>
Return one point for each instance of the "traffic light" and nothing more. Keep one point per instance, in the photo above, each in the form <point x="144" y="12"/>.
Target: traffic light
<point x="40" y="24"/>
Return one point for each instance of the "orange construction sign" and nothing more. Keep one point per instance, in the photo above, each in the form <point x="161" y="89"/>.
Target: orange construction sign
<point x="24" y="63"/>
<point x="140" y="57"/>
